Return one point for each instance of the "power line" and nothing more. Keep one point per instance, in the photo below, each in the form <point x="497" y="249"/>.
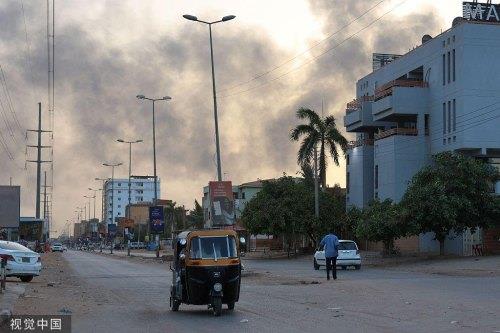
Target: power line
<point x="303" y="52"/>
<point x="316" y="57"/>
<point x="28" y="52"/>
<point x="463" y="127"/>
<point x="9" y="99"/>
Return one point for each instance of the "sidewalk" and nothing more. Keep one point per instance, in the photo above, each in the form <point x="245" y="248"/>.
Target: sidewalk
<point x="8" y="299"/>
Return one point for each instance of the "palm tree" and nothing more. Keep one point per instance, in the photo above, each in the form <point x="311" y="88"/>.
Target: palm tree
<point x="319" y="131"/>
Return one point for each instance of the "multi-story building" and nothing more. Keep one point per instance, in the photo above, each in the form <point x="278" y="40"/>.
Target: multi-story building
<point x="441" y="96"/>
<point x="116" y="195"/>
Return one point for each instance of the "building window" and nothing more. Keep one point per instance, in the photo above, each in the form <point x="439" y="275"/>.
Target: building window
<point x="140" y="184"/>
<point x="119" y="213"/>
<point x="454" y="115"/>
<point x="347" y="159"/>
<point x="444" y="118"/>
<point x="449" y="117"/>
<point x="444" y="69"/>
<point x="444" y="43"/>
<point x="138" y="198"/>
<point x="347" y="182"/>
<point x="444" y="141"/>
<point x="449" y="67"/>
<point x="376" y="177"/>
<point x="119" y="191"/>
<point x="119" y="184"/>
<point x="453" y="63"/>
<point x="243" y="195"/>
<point x="426" y="124"/>
<point x="454" y="139"/>
<point x="119" y="206"/>
<point x="119" y="199"/>
<point x="454" y="39"/>
<point x="448" y="40"/>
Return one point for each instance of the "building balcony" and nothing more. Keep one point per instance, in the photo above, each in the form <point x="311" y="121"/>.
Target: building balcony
<point x="359" y="116"/>
<point x="400" y="98"/>
<point x="360" y="143"/>
<point x="396" y="131"/>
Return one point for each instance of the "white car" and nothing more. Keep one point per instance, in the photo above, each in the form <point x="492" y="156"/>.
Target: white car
<point x="21" y="261"/>
<point x="348" y="255"/>
<point x="57" y="247"/>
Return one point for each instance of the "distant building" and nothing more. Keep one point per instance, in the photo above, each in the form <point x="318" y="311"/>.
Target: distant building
<point x="116" y="195"/>
<point x="241" y="194"/>
<point x="10" y="209"/>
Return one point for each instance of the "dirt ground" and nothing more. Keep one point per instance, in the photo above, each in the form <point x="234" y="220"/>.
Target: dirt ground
<point x="54" y="291"/>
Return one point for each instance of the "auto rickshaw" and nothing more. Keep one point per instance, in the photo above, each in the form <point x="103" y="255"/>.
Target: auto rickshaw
<point x="206" y="269"/>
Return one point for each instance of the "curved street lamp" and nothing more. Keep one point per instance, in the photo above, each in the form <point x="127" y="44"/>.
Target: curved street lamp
<point x="153" y="100"/>
<point x="224" y="19"/>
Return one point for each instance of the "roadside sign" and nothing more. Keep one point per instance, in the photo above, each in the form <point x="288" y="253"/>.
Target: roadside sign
<point x="112" y="230"/>
<point x="156" y="219"/>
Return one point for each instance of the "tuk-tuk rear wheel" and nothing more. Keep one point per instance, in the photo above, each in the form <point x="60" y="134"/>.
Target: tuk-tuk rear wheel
<point x="217" y="306"/>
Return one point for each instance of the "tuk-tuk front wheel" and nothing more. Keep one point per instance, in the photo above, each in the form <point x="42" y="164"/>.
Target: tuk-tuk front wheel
<point x="217" y="306"/>
<point x="174" y="304"/>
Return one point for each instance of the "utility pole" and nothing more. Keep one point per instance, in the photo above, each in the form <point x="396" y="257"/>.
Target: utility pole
<point x="38" y="161"/>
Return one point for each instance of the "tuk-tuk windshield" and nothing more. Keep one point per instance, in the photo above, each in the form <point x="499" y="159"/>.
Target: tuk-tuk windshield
<point x="213" y="247"/>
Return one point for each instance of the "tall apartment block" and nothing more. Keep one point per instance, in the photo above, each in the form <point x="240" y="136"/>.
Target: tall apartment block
<point x="443" y="95"/>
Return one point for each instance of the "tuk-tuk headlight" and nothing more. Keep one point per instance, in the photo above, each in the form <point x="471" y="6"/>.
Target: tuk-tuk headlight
<point x="217" y="287"/>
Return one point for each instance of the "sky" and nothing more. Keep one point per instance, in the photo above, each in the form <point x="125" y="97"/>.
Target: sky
<point x="275" y="57"/>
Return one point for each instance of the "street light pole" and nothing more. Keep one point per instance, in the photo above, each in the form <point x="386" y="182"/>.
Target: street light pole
<point x="112" y="194"/>
<point x="153" y="100"/>
<point x="224" y="19"/>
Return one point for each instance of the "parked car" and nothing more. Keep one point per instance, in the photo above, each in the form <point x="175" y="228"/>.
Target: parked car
<point x="348" y="256"/>
<point x="21" y="261"/>
<point x="57" y="247"/>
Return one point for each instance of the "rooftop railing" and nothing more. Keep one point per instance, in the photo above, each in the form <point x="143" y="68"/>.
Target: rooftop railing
<point x="359" y="143"/>
<point x="396" y="131"/>
<point x="387" y="89"/>
<point x="355" y="104"/>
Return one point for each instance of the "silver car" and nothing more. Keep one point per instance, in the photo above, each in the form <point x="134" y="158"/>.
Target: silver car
<point x="21" y="261"/>
<point x="348" y="255"/>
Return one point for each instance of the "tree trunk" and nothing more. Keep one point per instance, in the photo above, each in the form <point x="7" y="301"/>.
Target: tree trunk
<point x="441" y="247"/>
<point x="322" y="165"/>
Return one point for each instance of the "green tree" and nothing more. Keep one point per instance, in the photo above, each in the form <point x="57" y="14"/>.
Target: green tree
<point x="279" y="209"/>
<point x="195" y="217"/>
<point x="382" y="222"/>
<point x="452" y="194"/>
<point x="319" y="131"/>
<point x="285" y="207"/>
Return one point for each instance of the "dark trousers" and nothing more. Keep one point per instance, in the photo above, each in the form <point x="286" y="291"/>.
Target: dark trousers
<point x="331" y="264"/>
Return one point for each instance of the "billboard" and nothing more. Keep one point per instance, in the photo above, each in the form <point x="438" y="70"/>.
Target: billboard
<point x="221" y="203"/>
<point x="10" y="206"/>
<point x="476" y="11"/>
<point x="156" y="219"/>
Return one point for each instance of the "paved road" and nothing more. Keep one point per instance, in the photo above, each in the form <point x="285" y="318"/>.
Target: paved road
<point x="130" y="296"/>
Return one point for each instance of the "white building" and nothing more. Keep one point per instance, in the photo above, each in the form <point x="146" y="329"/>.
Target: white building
<point x="441" y="96"/>
<point x="141" y="190"/>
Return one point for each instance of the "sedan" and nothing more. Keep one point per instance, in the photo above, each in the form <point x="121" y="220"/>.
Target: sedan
<point x="348" y="255"/>
<point x="21" y="261"/>
<point x="57" y="247"/>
